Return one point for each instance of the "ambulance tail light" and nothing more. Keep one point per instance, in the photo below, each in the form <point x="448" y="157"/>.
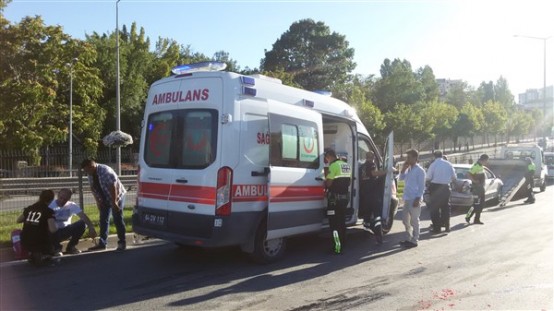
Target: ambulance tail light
<point x="223" y="192"/>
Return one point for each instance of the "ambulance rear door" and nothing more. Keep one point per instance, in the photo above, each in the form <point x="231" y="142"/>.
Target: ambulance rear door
<point x="295" y="189"/>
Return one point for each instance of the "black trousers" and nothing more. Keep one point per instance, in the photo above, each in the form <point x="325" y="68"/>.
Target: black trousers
<point x="530" y="186"/>
<point x="336" y="212"/>
<point x="479" y="191"/>
<point x="439" y="206"/>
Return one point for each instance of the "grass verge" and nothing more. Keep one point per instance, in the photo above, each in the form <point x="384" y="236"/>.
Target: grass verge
<point x="8" y="223"/>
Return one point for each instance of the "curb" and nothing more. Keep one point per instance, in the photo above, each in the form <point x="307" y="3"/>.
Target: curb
<point x="7" y="254"/>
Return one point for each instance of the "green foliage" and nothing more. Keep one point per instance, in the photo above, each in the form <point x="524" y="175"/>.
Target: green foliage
<point x="459" y="95"/>
<point x="398" y="85"/>
<point x="317" y="57"/>
<point x="494" y="118"/>
<point x="34" y="87"/>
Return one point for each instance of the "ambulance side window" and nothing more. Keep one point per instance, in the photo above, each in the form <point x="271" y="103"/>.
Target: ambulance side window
<point x="293" y="143"/>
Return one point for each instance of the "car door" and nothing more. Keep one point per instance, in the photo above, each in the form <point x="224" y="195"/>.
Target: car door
<point x="388" y="163"/>
<point x="295" y="184"/>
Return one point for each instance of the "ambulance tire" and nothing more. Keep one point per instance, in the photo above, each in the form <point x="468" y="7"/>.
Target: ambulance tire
<point x="387" y="224"/>
<point x="267" y="251"/>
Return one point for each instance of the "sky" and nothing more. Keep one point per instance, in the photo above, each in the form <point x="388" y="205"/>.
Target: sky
<point x="471" y="40"/>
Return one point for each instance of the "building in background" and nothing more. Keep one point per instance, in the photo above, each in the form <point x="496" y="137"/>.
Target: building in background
<point x="533" y="99"/>
<point x="445" y="85"/>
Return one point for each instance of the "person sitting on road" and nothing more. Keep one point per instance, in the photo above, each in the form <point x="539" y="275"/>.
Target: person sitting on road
<point x="38" y="226"/>
<point x="64" y="211"/>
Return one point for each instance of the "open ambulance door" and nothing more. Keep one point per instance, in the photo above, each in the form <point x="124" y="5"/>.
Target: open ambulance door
<point x="295" y="189"/>
<point x="388" y="162"/>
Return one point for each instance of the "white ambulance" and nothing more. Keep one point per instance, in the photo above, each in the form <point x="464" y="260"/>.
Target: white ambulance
<point x="228" y="159"/>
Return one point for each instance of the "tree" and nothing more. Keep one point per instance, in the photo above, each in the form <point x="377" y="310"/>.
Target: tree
<point x="426" y="77"/>
<point x="459" y="94"/>
<point x="402" y="120"/>
<point x="398" y="85"/>
<point x="222" y="56"/>
<point x="494" y="119"/>
<point x="369" y="114"/>
<point x="502" y="92"/>
<point x="315" y="56"/>
<point x="519" y="123"/>
<point x="34" y="87"/>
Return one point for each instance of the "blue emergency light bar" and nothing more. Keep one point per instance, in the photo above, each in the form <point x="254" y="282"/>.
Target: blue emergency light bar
<point x="196" y="67"/>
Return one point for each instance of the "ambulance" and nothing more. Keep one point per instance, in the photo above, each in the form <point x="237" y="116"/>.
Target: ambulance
<point x="229" y="159"/>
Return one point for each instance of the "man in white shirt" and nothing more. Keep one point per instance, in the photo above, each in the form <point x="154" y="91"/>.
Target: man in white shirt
<point x="64" y="211"/>
<point x="414" y="177"/>
<point x="440" y="174"/>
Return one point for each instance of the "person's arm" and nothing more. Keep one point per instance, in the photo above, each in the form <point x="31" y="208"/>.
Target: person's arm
<point x="52" y="225"/>
<point x="91" y="230"/>
<point x="430" y="172"/>
<point x="21" y="217"/>
<point x="114" y="195"/>
<point x="420" y="188"/>
<point x="405" y="167"/>
<point x="454" y="177"/>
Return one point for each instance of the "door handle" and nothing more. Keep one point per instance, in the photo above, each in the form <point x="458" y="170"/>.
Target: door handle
<point x="319" y="178"/>
<point x="265" y="172"/>
<point x="181" y="180"/>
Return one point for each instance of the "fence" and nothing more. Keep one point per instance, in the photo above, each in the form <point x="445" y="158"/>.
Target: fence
<point x="54" y="162"/>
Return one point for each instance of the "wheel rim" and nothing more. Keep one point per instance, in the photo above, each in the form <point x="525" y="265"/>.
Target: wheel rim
<point x="272" y="247"/>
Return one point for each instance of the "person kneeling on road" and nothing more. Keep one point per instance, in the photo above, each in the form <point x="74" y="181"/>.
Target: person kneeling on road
<point x="64" y="211"/>
<point x="337" y="182"/>
<point x="38" y="226"/>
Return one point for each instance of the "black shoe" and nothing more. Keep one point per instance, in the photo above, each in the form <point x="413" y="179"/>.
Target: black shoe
<point x="478" y="222"/>
<point x="468" y="219"/>
<point x="379" y="239"/>
<point x="436" y="231"/>
<point x="121" y="246"/>
<point x="447" y="229"/>
<point x="408" y="244"/>
<point x="98" y="247"/>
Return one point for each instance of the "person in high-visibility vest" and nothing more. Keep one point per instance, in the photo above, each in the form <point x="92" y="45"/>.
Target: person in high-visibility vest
<point x="337" y="183"/>
<point x="477" y="173"/>
<point x="529" y="176"/>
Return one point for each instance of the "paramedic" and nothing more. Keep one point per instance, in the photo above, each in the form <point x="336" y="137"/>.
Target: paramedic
<point x="337" y="183"/>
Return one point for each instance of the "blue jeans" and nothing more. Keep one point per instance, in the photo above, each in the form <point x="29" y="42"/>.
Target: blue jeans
<point x="105" y="212"/>
<point x="72" y="232"/>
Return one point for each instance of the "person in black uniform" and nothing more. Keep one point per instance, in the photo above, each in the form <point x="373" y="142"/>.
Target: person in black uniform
<point x="337" y="182"/>
<point x="371" y="196"/>
<point x="530" y="179"/>
<point x="39" y="223"/>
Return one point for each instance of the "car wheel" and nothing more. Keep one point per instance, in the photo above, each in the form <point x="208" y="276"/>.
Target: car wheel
<point x="267" y="251"/>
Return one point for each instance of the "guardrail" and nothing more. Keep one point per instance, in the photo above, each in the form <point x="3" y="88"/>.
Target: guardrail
<point x="11" y="186"/>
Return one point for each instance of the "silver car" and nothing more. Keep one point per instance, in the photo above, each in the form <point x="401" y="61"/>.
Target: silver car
<point x="549" y="160"/>
<point x="461" y="189"/>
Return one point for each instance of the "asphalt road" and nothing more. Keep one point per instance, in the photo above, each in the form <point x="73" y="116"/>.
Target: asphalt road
<point x="505" y="264"/>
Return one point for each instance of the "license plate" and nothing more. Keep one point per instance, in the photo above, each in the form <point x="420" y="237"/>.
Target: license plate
<point x="153" y="219"/>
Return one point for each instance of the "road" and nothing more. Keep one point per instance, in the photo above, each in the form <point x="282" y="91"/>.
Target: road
<point x="505" y="264"/>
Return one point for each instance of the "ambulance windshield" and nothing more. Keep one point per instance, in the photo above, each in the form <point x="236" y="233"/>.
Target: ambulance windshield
<point x="184" y="139"/>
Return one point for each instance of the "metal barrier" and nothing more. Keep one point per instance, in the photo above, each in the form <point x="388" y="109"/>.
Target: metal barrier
<point x="16" y="193"/>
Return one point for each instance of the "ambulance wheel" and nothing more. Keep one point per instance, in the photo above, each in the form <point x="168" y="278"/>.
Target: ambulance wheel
<point x="267" y="251"/>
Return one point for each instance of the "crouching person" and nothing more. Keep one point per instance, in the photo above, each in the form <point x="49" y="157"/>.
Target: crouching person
<point x="38" y="227"/>
<point x="64" y="209"/>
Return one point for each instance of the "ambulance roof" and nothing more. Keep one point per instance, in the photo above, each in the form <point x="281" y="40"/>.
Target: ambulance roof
<point x="272" y="89"/>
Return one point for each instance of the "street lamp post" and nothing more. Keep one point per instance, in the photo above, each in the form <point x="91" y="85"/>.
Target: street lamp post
<point x="117" y="90"/>
<point x="70" y="65"/>
<point x="544" y="39"/>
